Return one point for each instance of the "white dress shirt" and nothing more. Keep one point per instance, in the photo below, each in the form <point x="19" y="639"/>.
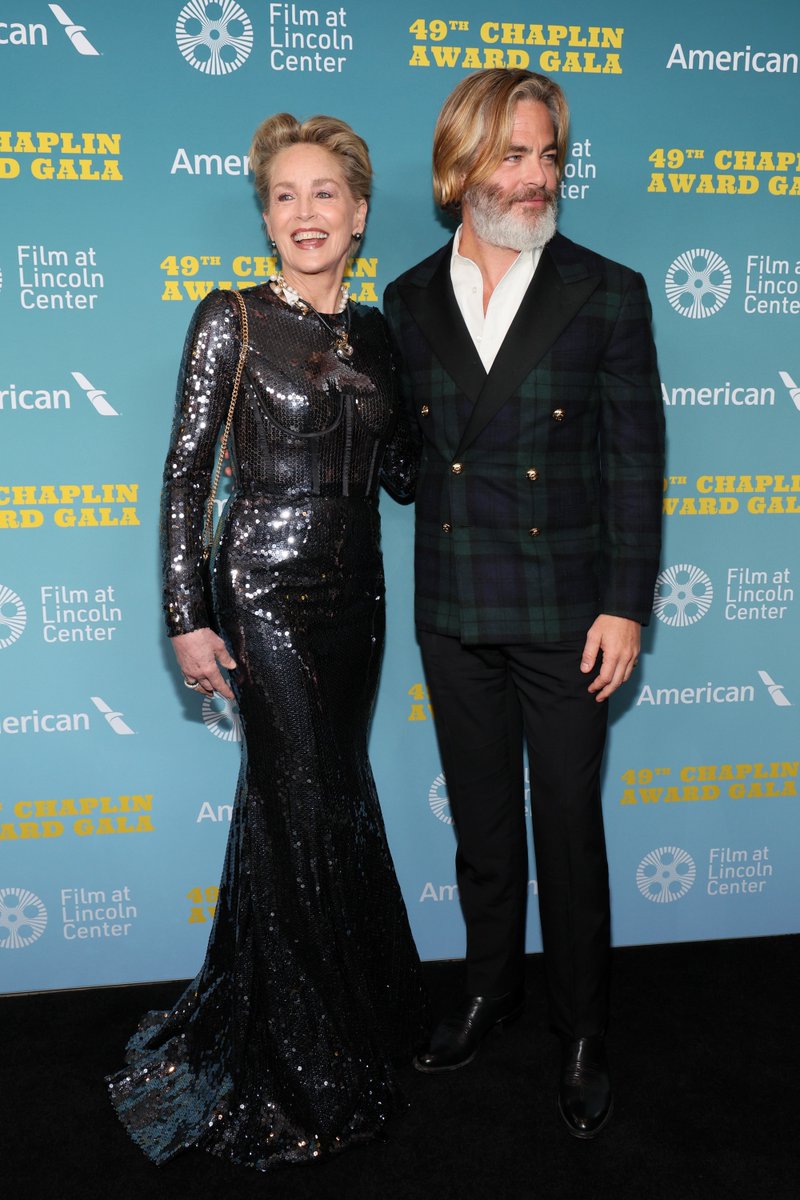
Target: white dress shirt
<point x="488" y="329"/>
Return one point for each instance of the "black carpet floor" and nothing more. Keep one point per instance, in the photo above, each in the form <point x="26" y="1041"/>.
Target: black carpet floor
<point x="704" y="1052"/>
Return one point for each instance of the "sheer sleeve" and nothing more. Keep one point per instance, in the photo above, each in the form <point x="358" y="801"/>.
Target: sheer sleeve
<point x="205" y="380"/>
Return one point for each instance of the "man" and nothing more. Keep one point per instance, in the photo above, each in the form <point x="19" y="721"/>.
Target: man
<point x="529" y="363"/>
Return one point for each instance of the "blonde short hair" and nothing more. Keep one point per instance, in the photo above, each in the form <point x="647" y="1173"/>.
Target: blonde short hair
<point x="474" y="127"/>
<point x="283" y="130"/>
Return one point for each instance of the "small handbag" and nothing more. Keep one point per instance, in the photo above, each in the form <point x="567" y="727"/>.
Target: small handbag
<point x="208" y="525"/>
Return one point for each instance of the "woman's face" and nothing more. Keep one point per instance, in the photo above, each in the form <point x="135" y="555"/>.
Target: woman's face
<point x="312" y="215"/>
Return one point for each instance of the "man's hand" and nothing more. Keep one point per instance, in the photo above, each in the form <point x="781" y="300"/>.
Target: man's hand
<point x="197" y="653"/>
<point x="619" y="640"/>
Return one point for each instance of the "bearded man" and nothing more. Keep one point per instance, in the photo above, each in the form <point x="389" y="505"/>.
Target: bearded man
<point x="529" y="364"/>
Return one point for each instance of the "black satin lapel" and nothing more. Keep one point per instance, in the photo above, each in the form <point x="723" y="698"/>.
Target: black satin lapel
<point x="546" y="309"/>
<point x="436" y="311"/>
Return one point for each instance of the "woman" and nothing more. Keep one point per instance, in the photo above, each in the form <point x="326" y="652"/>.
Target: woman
<point x="281" y="1049"/>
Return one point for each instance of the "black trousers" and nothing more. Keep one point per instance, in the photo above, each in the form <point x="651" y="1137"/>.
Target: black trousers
<point x="487" y="700"/>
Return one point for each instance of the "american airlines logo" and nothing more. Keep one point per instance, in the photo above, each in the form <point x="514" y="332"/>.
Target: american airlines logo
<point x="75" y="33"/>
<point x="112" y="716"/>
<point x="728" y="395"/>
<point x="714" y="693"/>
<point x="17" y="397"/>
<point x="38" y="722"/>
<point x="776" y="693"/>
<point x="95" y="396"/>
<point x="792" y="388"/>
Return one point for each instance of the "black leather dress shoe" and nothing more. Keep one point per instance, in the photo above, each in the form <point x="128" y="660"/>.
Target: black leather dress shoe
<point x="456" y="1040"/>
<point x="584" y="1096"/>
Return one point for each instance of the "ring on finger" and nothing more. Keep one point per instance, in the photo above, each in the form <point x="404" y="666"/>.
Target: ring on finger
<point x="189" y="682"/>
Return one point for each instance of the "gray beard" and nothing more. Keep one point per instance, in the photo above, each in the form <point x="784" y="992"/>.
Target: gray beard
<point x="498" y="224"/>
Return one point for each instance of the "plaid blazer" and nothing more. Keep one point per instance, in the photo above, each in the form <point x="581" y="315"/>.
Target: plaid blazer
<point x="539" y="498"/>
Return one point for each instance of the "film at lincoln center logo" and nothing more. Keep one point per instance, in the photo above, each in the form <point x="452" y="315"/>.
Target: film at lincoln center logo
<point x="683" y="595"/>
<point x="12" y="616"/>
<point x="698" y="283"/>
<point x="665" y="874"/>
<point x="214" y="36"/>
<point x="438" y="800"/>
<point x="222" y="718"/>
<point x="23" y="918"/>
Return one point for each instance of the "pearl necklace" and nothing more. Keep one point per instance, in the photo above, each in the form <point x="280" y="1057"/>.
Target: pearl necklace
<point x="341" y="337"/>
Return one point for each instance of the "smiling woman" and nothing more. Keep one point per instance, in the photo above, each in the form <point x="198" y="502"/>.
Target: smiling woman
<point x="314" y="183"/>
<point x="313" y="218"/>
<point x="283" y="1048"/>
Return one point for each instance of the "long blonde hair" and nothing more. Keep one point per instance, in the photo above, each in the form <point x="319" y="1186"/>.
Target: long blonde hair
<point x="474" y="127"/>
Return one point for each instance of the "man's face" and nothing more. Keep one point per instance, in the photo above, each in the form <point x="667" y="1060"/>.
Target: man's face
<point x="516" y="206"/>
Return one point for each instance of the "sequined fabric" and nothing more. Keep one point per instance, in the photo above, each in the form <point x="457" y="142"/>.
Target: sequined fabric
<point x="282" y="1048"/>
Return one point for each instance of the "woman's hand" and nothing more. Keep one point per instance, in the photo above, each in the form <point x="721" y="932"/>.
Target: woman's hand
<point x="198" y="653"/>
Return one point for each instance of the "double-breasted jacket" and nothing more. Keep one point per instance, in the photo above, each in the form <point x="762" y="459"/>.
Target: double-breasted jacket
<point x="540" y="490"/>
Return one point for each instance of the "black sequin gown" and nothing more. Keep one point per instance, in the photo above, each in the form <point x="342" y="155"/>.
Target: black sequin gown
<point x="281" y="1049"/>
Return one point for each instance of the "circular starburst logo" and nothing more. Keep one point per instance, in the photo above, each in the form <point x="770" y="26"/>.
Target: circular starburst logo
<point x="214" y="36"/>
<point x="23" y="918"/>
<point x="683" y="595"/>
<point x="698" y="283"/>
<point x="222" y="718"/>
<point x="12" y="616"/>
<point x="665" y="875"/>
<point x="438" y="800"/>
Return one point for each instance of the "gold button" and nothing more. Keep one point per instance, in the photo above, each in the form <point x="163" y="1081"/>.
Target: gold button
<point x="532" y="474"/>
<point x="558" y="414"/>
<point x="457" y="468"/>
<point x="446" y="527"/>
<point x="534" y="532"/>
<point x="424" y="411"/>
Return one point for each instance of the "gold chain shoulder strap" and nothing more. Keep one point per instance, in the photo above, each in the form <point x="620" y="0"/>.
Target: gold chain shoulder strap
<point x="208" y="527"/>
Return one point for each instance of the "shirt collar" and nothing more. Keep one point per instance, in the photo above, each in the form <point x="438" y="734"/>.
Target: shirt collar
<point x="526" y="261"/>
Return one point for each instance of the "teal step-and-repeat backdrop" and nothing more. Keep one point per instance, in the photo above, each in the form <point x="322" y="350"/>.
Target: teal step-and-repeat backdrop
<point x="126" y="197"/>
